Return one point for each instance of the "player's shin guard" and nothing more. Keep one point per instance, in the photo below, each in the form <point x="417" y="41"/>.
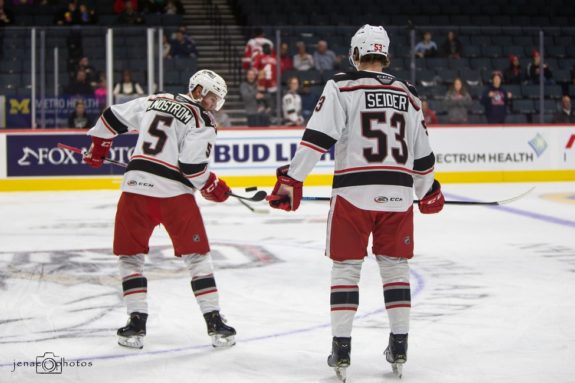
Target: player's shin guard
<point x="396" y="292"/>
<point x="344" y="297"/>
<point x="134" y="284"/>
<point x="203" y="282"/>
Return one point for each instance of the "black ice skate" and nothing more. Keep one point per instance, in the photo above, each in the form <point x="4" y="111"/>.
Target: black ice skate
<point x="222" y="334"/>
<point x="132" y="335"/>
<point x="396" y="352"/>
<point x="340" y="356"/>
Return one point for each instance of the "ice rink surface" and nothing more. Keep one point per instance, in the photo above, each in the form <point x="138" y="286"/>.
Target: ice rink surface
<point x="493" y="294"/>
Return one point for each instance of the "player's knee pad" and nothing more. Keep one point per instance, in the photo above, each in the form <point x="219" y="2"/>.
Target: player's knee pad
<point x="346" y="272"/>
<point x="198" y="264"/>
<point x="131" y="264"/>
<point x="393" y="268"/>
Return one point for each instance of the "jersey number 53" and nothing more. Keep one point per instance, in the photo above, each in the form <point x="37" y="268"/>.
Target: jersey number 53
<point x="369" y="121"/>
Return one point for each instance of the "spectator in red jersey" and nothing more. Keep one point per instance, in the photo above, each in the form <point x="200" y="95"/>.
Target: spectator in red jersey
<point x="254" y="48"/>
<point x="286" y="62"/>
<point x="514" y="74"/>
<point x="266" y="65"/>
<point x="120" y="5"/>
<point x="429" y="115"/>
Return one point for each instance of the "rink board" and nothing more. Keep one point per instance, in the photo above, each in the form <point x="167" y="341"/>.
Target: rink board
<point x="30" y="159"/>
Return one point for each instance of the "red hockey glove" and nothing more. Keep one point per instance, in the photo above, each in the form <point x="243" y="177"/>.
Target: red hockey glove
<point x="215" y="189"/>
<point x="98" y="151"/>
<point x="433" y="201"/>
<point x="287" y="191"/>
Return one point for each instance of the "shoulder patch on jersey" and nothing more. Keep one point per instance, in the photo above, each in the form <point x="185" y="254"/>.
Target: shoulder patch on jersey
<point x="409" y="86"/>
<point x="384" y="78"/>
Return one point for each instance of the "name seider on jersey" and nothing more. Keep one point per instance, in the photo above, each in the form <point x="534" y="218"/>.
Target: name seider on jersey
<point x="378" y="100"/>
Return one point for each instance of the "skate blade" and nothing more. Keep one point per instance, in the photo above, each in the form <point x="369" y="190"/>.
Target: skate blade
<point x="219" y="341"/>
<point x="397" y="369"/>
<point x="131" y="342"/>
<point x="341" y="373"/>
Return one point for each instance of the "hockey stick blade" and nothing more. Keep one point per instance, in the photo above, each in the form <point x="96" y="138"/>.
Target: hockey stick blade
<point x="259" y="196"/>
<point x="253" y="209"/>
<point x="79" y="151"/>
<point x="492" y="203"/>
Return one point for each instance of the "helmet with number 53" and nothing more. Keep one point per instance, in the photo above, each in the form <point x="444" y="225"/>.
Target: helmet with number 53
<point x="368" y="40"/>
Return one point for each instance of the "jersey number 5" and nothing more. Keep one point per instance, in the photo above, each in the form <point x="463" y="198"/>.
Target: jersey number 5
<point x="397" y="121"/>
<point x="155" y="131"/>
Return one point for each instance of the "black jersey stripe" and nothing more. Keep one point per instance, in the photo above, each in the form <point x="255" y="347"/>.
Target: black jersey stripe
<point x="373" y="178"/>
<point x="424" y="163"/>
<point x="318" y="139"/>
<point x="189" y="169"/>
<point x="158" y="170"/>
<point x="113" y="122"/>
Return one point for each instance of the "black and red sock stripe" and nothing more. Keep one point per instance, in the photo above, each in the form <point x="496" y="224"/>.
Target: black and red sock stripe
<point x="205" y="284"/>
<point x="134" y="284"/>
<point x="344" y="297"/>
<point x="397" y="294"/>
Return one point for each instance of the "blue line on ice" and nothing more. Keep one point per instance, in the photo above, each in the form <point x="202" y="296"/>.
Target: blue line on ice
<point x="524" y="213"/>
<point x="419" y="286"/>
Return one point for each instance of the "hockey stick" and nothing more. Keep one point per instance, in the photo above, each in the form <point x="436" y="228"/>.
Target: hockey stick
<point x="79" y="151"/>
<point x="247" y="205"/>
<point x="259" y="196"/>
<point x="492" y="203"/>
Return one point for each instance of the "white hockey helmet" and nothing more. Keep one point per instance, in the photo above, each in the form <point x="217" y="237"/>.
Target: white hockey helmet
<point x="210" y="81"/>
<point x="369" y="40"/>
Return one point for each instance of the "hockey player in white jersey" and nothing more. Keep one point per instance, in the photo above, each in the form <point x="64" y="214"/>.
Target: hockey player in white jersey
<point x="176" y="133"/>
<point x="382" y="154"/>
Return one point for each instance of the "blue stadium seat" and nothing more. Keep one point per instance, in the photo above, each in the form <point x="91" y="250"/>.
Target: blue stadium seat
<point x="523" y="106"/>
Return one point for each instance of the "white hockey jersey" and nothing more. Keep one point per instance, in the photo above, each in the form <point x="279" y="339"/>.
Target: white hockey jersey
<point x="291" y="106"/>
<point x="382" y="149"/>
<point x="176" y="136"/>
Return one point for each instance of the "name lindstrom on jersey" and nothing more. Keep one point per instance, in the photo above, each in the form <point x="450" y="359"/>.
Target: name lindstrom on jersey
<point x="378" y="100"/>
<point x="178" y="110"/>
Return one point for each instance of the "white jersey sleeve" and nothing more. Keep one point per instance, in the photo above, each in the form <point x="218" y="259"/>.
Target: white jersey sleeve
<point x="323" y="130"/>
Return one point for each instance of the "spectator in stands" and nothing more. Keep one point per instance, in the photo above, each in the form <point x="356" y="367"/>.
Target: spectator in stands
<point x="514" y="74"/>
<point x="91" y="74"/>
<point x="429" y="115"/>
<point x="457" y="101"/>
<point x="254" y="47"/>
<point x="302" y="60"/>
<point x="451" y="47"/>
<point x="79" y="119"/>
<point x="155" y="6"/>
<point x="291" y="104"/>
<point x="101" y="92"/>
<point x="120" y="5"/>
<point x="496" y="99"/>
<point x="87" y="16"/>
<point x="130" y="16"/>
<point x="533" y="69"/>
<point x="70" y="16"/>
<point x="183" y="47"/>
<point x="266" y="65"/>
<point x="324" y="58"/>
<point x="174" y="7"/>
<point x="127" y="87"/>
<point x="286" y="62"/>
<point x="6" y="15"/>
<point x="166" y="48"/>
<point x="426" y="47"/>
<point x="565" y="115"/>
<point x="79" y="85"/>
<point x="252" y="99"/>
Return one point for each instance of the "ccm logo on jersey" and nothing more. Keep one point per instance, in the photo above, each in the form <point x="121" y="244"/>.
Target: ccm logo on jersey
<point x="136" y="183"/>
<point x="379" y="100"/>
<point x="382" y="199"/>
